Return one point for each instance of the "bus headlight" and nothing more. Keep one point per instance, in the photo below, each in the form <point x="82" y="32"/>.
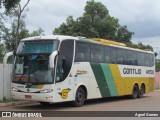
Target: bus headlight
<point x="14" y="89"/>
<point x="46" y="91"/>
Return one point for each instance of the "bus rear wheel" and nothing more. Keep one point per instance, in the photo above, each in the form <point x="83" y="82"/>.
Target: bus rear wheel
<point x="142" y="91"/>
<point x="80" y="97"/>
<point x="135" y="92"/>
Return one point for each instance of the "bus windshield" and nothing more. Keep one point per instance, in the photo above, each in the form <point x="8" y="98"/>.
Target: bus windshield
<point x="32" y="62"/>
<point x="45" y="46"/>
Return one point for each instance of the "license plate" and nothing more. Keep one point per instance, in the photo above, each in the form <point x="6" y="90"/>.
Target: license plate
<point x="28" y="96"/>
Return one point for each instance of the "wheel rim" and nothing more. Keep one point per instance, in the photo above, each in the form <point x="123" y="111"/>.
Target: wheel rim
<point x="135" y="92"/>
<point x="79" y="97"/>
<point x="142" y="90"/>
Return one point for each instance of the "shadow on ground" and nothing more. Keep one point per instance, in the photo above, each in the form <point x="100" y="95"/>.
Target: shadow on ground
<point x="67" y="105"/>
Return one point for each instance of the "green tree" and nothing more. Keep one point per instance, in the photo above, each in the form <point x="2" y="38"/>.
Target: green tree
<point x="9" y="4"/>
<point x="2" y="52"/>
<point x="157" y="65"/>
<point x="1" y="28"/>
<point x="37" y="32"/>
<point x="19" y="10"/>
<point x="140" y="46"/>
<point x="2" y="49"/>
<point x="95" y="22"/>
<point x="10" y="34"/>
<point x="18" y="29"/>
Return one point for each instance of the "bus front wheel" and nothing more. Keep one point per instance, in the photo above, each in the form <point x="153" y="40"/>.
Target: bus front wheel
<point x="80" y="97"/>
<point x="135" y="92"/>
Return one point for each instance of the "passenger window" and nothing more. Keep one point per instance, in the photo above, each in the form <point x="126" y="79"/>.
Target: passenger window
<point x="97" y="53"/>
<point x="107" y="54"/>
<point x="121" y="56"/>
<point x="132" y="57"/>
<point x="82" y="52"/>
<point x="65" y="58"/>
<point x="147" y="60"/>
<point x="151" y="60"/>
<point x="113" y="55"/>
<point x="140" y="57"/>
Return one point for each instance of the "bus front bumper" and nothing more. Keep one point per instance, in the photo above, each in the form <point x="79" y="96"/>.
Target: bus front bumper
<point x="41" y="97"/>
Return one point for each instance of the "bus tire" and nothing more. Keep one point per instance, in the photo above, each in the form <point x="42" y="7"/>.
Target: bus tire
<point x="80" y="97"/>
<point x="135" y="92"/>
<point x="44" y="103"/>
<point x="141" y="91"/>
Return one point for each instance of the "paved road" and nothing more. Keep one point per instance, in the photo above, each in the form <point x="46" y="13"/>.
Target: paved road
<point x="150" y="102"/>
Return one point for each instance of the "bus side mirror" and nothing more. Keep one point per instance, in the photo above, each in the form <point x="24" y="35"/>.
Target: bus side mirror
<point x="52" y="59"/>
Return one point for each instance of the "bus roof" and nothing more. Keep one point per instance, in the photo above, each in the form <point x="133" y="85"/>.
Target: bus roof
<point x="113" y="44"/>
<point x="49" y="37"/>
<point x="92" y="40"/>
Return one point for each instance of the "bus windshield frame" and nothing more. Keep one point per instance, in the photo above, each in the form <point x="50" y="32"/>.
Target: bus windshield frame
<point x="29" y="65"/>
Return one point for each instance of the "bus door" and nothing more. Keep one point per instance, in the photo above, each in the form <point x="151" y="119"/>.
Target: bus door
<point x="63" y="80"/>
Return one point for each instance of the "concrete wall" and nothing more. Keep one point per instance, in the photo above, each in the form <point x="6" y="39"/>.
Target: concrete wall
<point x="5" y="81"/>
<point x="157" y="80"/>
<point x="1" y="82"/>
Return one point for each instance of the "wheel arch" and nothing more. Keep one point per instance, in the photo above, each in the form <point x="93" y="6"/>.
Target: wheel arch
<point x="85" y="89"/>
<point x="144" y="86"/>
<point x="136" y="83"/>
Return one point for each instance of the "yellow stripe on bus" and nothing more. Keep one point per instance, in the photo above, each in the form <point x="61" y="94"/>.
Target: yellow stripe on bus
<point x="117" y="79"/>
<point x="125" y="84"/>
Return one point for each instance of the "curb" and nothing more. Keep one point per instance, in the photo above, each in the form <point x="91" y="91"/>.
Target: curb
<point x="157" y="90"/>
<point x="16" y="103"/>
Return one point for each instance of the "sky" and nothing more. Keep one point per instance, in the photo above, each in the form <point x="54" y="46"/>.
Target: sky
<point x="140" y="16"/>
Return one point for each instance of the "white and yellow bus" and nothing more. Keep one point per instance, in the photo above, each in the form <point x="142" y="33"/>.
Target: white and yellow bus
<point x="56" y="68"/>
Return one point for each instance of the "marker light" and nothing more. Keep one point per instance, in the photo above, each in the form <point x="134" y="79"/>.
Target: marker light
<point x="46" y="91"/>
<point x="14" y="89"/>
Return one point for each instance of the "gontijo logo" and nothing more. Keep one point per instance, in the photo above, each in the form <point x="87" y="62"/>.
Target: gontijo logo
<point x="131" y="71"/>
<point x="64" y="93"/>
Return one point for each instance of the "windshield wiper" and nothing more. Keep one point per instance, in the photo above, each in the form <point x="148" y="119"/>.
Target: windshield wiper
<point x="25" y="68"/>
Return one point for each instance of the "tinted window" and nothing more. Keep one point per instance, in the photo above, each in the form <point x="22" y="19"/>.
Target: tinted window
<point x="113" y="56"/>
<point x="65" y="58"/>
<point x="147" y="59"/>
<point x="121" y="56"/>
<point x="97" y="53"/>
<point x="82" y="52"/>
<point x="132" y="57"/>
<point x="151" y="60"/>
<point x="38" y="46"/>
<point x="140" y="57"/>
<point x="89" y="52"/>
<point x="107" y="54"/>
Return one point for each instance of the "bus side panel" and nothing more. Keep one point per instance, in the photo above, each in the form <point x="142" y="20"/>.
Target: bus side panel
<point x="106" y="80"/>
<point x="101" y="79"/>
<point x="136" y="75"/>
<point x="148" y="82"/>
<point x="151" y="84"/>
<point x="83" y="75"/>
<point x="109" y="79"/>
<point x="119" y="81"/>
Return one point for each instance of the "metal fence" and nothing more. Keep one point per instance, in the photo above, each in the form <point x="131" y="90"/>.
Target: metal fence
<point x="5" y="81"/>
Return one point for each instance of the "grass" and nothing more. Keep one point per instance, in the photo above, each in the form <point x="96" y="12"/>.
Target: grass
<point x="157" y="88"/>
<point x="8" y="100"/>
